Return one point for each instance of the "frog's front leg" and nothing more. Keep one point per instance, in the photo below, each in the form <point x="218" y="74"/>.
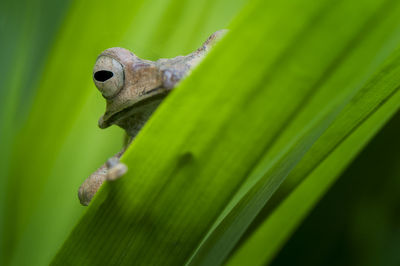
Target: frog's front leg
<point x="111" y="170"/>
<point x="175" y="69"/>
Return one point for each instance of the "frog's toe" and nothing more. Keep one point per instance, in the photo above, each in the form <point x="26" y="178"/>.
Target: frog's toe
<point x="214" y="38"/>
<point x="116" y="171"/>
<point x="89" y="188"/>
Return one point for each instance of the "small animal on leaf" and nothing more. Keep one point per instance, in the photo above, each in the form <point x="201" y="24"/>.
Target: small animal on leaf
<point x="133" y="88"/>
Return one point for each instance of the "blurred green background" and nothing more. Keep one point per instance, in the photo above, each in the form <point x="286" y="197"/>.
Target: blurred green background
<point x="49" y="145"/>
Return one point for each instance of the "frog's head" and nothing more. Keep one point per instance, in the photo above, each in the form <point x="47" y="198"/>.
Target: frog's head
<point x="129" y="84"/>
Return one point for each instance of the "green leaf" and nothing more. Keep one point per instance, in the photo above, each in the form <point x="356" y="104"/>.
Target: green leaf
<point x="365" y="114"/>
<point x="60" y="144"/>
<point x="221" y="144"/>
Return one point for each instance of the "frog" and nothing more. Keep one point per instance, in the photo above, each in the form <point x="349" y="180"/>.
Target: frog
<point x="133" y="89"/>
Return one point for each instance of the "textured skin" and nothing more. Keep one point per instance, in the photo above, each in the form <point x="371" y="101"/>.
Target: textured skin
<point x="145" y="84"/>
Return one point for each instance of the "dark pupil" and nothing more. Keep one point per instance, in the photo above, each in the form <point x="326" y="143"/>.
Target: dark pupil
<point x="103" y="75"/>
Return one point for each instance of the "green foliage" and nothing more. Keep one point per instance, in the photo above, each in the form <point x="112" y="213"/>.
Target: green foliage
<point x="258" y="132"/>
<point x="367" y="112"/>
<point x="356" y="222"/>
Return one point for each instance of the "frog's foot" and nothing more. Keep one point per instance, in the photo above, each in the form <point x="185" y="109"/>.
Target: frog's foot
<point x="89" y="188"/>
<point x="112" y="170"/>
<point x="116" y="169"/>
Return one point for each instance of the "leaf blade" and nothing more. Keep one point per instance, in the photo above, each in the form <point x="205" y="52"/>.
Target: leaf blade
<point x="152" y="237"/>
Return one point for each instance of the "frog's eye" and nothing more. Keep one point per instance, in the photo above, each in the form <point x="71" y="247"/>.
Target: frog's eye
<point x="108" y="76"/>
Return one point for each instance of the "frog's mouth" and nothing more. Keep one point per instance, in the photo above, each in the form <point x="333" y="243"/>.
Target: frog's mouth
<point x="150" y="100"/>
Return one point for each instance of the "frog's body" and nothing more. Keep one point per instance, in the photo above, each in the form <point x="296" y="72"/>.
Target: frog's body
<point x="133" y="88"/>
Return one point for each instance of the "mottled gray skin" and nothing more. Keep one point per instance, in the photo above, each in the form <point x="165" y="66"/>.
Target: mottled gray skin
<point x="133" y="88"/>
